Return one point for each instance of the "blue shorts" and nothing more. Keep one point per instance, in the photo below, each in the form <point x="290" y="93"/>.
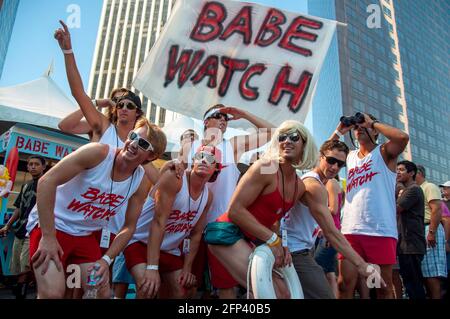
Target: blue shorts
<point x="121" y="275"/>
<point x="434" y="263"/>
<point x="325" y="256"/>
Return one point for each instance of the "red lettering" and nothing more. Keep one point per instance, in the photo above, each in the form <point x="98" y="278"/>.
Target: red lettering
<point x="75" y="205"/>
<point x="295" y="32"/>
<point x="241" y="24"/>
<point x="271" y="25"/>
<point x="182" y="65"/>
<point x="211" y="18"/>
<point x="297" y="90"/>
<point x="231" y="65"/>
<point x="91" y="194"/>
<point x="58" y="151"/>
<point x="209" y="68"/>
<point x="45" y="148"/>
<point x="19" y="142"/>
<point x="28" y="145"/>
<point x="37" y="146"/>
<point x="248" y="92"/>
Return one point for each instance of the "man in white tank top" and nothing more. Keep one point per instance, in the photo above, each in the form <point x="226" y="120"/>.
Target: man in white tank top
<point x="215" y="121"/>
<point x="369" y="214"/>
<point x="176" y="213"/>
<point x="76" y="198"/>
<point x="312" y="211"/>
<point x="125" y="108"/>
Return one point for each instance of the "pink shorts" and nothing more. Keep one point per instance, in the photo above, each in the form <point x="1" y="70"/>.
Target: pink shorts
<point x="374" y="249"/>
<point x="77" y="249"/>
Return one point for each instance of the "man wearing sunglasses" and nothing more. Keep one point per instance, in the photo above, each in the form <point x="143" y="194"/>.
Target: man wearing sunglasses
<point x="175" y="213"/>
<point x="215" y="121"/>
<point x="369" y="221"/>
<point x="80" y="196"/>
<point x="311" y="212"/>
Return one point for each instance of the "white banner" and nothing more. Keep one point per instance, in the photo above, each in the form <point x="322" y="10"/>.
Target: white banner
<point x="263" y="60"/>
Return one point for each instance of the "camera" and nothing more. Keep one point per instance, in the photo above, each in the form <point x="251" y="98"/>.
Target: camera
<point x="358" y="118"/>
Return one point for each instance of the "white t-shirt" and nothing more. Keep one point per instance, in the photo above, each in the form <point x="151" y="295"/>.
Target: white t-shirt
<point x="225" y="184"/>
<point x="184" y="216"/>
<point x="301" y="227"/>
<point x="90" y="200"/>
<point x="370" y="207"/>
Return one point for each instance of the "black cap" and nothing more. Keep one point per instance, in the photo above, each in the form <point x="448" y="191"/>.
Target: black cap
<point x="132" y="97"/>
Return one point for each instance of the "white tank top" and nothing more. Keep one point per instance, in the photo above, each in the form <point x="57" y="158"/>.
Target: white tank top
<point x="88" y="201"/>
<point x="225" y="184"/>
<point x="180" y="222"/>
<point x="301" y="227"/>
<point x="369" y="207"/>
<point x="110" y="137"/>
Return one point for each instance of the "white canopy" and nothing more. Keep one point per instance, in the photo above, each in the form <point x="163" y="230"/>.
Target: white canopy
<point x="40" y="102"/>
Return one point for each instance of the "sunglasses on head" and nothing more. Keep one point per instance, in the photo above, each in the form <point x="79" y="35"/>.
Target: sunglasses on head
<point x="332" y="160"/>
<point x="129" y="105"/>
<point x="142" y="142"/>
<point x="218" y="116"/>
<point x="203" y="156"/>
<point x="293" y="137"/>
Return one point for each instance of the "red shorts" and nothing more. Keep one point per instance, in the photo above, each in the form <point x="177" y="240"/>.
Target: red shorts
<point x="374" y="249"/>
<point x="98" y="237"/>
<point x="136" y="254"/>
<point x="77" y="249"/>
<point x="220" y="277"/>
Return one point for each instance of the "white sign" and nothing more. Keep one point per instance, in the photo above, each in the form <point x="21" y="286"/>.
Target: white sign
<point x="263" y="60"/>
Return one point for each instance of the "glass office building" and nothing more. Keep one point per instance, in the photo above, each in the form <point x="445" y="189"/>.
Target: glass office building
<point x="127" y="31"/>
<point x="8" y="11"/>
<point x="391" y="60"/>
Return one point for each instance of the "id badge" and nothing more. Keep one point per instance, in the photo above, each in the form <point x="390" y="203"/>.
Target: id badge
<point x="186" y="246"/>
<point x="284" y="242"/>
<point x="106" y="236"/>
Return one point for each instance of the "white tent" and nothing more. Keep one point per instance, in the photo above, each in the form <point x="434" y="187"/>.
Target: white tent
<point x="40" y="102"/>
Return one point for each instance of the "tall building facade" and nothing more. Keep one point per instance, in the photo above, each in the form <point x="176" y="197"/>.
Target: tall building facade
<point x="391" y="60"/>
<point x="127" y="31"/>
<point x="8" y="11"/>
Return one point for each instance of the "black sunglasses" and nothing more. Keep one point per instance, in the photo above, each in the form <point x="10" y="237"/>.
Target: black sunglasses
<point x="130" y="106"/>
<point x="332" y="160"/>
<point x="219" y="116"/>
<point x="293" y="137"/>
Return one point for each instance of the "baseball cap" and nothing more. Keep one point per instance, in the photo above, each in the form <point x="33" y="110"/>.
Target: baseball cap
<point x="133" y="98"/>
<point x="446" y="184"/>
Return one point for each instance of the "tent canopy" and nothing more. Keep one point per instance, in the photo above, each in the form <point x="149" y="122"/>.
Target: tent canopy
<point x="39" y="102"/>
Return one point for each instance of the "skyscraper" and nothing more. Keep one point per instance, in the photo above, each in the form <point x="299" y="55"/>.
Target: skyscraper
<point x="8" y="11"/>
<point x="391" y="60"/>
<point x="127" y="31"/>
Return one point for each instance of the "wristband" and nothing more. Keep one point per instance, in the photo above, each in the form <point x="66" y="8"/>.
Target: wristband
<point x="272" y="239"/>
<point x="70" y="51"/>
<point x="339" y="134"/>
<point x="94" y="101"/>
<point x="152" y="267"/>
<point x="373" y="123"/>
<point x="275" y="243"/>
<point x="107" y="259"/>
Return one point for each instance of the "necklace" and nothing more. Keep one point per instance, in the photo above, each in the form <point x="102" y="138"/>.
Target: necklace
<point x="189" y="192"/>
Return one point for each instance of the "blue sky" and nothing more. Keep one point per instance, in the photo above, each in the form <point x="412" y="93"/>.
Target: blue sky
<point x="32" y="46"/>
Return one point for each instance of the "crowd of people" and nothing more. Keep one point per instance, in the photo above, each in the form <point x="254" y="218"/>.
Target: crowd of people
<point x="188" y="229"/>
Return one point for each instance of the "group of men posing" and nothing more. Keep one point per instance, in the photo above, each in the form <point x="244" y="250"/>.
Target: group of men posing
<point x="99" y="202"/>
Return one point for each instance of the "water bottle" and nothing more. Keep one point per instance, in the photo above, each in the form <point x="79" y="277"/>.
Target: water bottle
<point x="91" y="289"/>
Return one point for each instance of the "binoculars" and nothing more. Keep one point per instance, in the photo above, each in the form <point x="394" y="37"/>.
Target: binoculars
<point x="358" y="118"/>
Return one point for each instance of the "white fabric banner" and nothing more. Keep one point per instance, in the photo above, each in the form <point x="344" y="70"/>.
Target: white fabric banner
<point x="263" y="60"/>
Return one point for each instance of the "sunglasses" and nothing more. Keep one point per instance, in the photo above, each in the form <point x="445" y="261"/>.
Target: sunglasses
<point x="219" y="116"/>
<point x="203" y="156"/>
<point x="130" y="106"/>
<point x="142" y="142"/>
<point x="332" y="160"/>
<point x="293" y="137"/>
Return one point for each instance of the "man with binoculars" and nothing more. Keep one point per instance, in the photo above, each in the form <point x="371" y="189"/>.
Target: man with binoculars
<point x="369" y="214"/>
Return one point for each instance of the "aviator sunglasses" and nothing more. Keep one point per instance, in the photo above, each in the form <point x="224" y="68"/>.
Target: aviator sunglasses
<point x="142" y="142"/>
<point x="293" y="137"/>
<point x="209" y="158"/>
<point x="130" y="106"/>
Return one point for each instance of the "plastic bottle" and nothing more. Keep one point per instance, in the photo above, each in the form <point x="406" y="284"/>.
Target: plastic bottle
<point x="91" y="289"/>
